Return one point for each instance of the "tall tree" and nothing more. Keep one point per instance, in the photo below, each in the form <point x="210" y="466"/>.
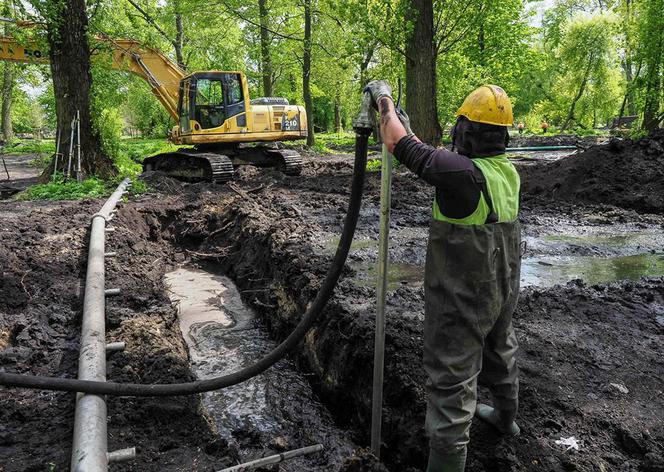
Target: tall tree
<point x="7" y="92"/>
<point x="306" y="72"/>
<point x="652" y="50"/>
<point x="421" y="54"/>
<point x="8" y="80"/>
<point x="69" y="51"/>
<point x="266" y="58"/>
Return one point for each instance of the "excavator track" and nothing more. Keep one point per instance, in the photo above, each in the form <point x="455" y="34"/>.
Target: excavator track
<point x="288" y="161"/>
<point x="193" y="166"/>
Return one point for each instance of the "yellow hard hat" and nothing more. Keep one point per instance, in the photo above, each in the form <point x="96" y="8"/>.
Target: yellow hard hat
<point x="488" y="104"/>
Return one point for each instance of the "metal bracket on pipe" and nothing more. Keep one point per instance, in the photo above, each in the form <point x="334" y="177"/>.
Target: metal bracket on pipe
<point x="112" y="291"/>
<point x="115" y="347"/>
<point x="122" y="455"/>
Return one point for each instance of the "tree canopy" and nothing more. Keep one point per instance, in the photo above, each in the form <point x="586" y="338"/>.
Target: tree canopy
<point x="582" y="65"/>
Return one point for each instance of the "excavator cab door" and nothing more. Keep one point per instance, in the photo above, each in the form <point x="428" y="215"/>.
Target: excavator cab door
<point x="234" y="99"/>
<point x="184" y="108"/>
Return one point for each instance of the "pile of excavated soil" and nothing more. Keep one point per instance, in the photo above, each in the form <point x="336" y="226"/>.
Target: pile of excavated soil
<point x="624" y="173"/>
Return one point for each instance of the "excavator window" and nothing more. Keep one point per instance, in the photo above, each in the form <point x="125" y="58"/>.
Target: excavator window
<point x="210" y="110"/>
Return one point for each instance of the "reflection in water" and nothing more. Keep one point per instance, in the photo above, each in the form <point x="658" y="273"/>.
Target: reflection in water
<point x="223" y="335"/>
<point x="548" y="271"/>
<point x="537" y="271"/>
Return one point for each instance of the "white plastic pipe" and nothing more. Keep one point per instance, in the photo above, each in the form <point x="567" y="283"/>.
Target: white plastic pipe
<point x="381" y="294"/>
<point x="90" y="446"/>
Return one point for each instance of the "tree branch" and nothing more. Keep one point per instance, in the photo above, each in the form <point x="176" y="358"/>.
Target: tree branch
<point x="151" y="21"/>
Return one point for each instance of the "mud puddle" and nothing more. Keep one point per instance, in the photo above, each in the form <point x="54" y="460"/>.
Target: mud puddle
<point x="533" y="157"/>
<point x="277" y="407"/>
<point x="593" y="254"/>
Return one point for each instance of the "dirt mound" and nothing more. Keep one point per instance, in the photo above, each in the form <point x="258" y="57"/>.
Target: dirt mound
<point x="624" y="173"/>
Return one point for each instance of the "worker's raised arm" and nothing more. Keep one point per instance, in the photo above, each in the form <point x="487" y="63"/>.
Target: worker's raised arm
<point x="391" y="129"/>
<point x="436" y="166"/>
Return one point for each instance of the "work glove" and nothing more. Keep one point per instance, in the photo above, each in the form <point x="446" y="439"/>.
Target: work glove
<point x="404" y="119"/>
<point x="378" y="89"/>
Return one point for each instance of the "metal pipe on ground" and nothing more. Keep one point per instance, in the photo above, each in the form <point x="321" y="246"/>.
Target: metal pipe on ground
<point x="90" y="448"/>
<point x="381" y="294"/>
<point x="275" y="459"/>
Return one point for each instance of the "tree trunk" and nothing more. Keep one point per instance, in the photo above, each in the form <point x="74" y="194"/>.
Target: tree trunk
<point x="337" y="113"/>
<point x="651" y="117"/>
<point x="421" y="104"/>
<point x="178" y="44"/>
<point x="7" y="90"/>
<point x="70" y="69"/>
<point x="364" y="65"/>
<point x="306" y="74"/>
<point x="266" y="58"/>
<point x="582" y="88"/>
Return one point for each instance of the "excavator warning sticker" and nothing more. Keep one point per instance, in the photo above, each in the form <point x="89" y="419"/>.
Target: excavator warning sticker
<point x="290" y="122"/>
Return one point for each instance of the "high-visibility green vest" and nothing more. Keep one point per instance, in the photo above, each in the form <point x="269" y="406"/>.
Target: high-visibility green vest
<point x="503" y="184"/>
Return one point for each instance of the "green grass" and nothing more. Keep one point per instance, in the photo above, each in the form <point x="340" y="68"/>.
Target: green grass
<point x="333" y="143"/>
<point x="374" y="165"/>
<point x="137" y="149"/>
<point x="59" y="189"/>
<point x="33" y="146"/>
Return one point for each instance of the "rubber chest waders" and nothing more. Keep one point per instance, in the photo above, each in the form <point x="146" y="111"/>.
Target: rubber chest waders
<point x="471" y="290"/>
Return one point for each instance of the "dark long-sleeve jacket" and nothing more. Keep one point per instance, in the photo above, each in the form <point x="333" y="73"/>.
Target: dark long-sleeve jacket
<point x="457" y="191"/>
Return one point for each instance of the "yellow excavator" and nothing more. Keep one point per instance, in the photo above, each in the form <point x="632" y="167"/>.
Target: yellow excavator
<point x="213" y="111"/>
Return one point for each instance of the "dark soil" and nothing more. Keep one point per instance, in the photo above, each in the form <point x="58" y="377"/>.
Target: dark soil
<point x="271" y="234"/>
<point x="624" y="173"/>
<point x="528" y="140"/>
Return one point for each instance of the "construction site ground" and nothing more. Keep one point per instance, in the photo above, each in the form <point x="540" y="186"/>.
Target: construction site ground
<point x="591" y="356"/>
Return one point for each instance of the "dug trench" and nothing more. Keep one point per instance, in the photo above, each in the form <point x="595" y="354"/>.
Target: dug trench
<point x="590" y="357"/>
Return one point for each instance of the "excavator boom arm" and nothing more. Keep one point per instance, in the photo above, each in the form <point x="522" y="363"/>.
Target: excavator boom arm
<point x="157" y="70"/>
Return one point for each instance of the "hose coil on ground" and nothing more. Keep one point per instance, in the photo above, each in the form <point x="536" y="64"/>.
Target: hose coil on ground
<point x="309" y="318"/>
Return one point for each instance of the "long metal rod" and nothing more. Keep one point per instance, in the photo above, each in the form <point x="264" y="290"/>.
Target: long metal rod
<point x="78" y="145"/>
<point x="57" y="152"/>
<point x="90" y="447"/>
<point x="381" y="294"/>
<point x="71" y="148"/>
<point x="275" y="459"/>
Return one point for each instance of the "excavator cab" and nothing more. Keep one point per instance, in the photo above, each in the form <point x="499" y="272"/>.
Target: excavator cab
<point x="208" y="99"/>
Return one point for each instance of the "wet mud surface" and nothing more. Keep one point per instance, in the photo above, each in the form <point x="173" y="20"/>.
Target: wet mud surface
<point x="625" y="173"/>
<point x="591" y="355"/>
<point x="17" y="173"/>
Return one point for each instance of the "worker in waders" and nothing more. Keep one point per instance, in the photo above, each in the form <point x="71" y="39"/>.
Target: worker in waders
<point x="472" y="268"/>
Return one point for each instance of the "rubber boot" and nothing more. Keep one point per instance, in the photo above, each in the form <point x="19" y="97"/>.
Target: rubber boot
<point x="447" y="462"/>
<point x="502" y="420"/>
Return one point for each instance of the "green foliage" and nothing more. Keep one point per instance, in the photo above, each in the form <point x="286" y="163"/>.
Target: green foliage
<point x="33" y="146"/>
<point x="70" y="190"/>
<point x="59" y="189"/>
<point x="375" y="165"/>
<point x="109" y="126"/>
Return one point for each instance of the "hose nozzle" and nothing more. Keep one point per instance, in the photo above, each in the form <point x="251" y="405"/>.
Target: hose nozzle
<point x="365" y="119"/>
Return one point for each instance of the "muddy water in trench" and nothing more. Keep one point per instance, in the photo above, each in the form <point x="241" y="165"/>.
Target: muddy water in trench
<point x="276" y="409"/>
